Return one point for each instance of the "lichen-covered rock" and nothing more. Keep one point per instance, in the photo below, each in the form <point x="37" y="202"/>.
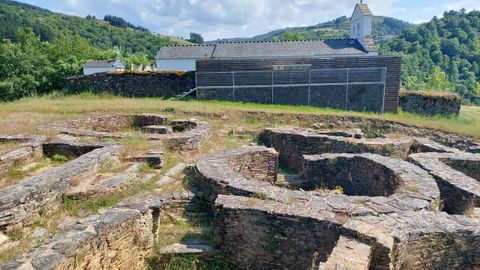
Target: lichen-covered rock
<point x="189" y="134"/>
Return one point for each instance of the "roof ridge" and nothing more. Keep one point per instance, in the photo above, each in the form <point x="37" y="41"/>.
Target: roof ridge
<point x="254" y="41"/>
<point x="285" y="41"/>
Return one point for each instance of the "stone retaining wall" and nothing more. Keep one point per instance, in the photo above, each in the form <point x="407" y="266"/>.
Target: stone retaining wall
<point x="145" y="84"/>
<point x="31" y="147"/>
<point x="119" y="238"/>
<point x="418" y="240"/>
<point x="430" y="104"/>
<point x="369" y="175"/>
<point x="20" y="203"/>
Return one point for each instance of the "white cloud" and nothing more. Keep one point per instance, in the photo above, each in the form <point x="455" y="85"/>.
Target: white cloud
<point x="221" y="18"/>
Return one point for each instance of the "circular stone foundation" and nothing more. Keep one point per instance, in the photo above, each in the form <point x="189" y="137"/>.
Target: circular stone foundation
<point x="252" y="171"/>
<point x="184" y="135"/>
<point x="382" y="215"/>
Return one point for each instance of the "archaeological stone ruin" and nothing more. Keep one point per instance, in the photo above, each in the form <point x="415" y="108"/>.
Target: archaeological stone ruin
<point x="111" y="192"/>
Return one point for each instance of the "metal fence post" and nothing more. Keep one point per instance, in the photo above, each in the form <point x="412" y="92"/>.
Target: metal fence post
<point x="272" y="86"/>
<point x="233" y="85"/>
<point x="309" y="86"/>
<point x="346" y="89"/>
<point x="384" y="80"/>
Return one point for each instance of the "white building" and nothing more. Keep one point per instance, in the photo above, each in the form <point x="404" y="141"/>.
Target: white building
<point x="360" y="44"/>
<point x="102" y="66"/>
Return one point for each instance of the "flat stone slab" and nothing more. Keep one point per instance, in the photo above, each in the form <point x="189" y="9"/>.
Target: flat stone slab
<point x="251" y="171"/>
<point x="276" y="235"/>
<point x="189" y="136"/>
<point x="183" y="249"/>
<point x="419" y="240"/>
<point x="348" y="254"/>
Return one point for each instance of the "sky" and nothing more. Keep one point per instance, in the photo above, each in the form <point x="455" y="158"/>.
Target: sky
<point x="244" y="18"/>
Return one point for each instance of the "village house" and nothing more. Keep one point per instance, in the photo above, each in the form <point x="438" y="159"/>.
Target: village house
<point x="102" y="66"/>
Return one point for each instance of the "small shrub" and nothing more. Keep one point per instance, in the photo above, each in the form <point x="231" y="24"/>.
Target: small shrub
<point x="169" y="110"/>
<point x="60" y="158"/>
<point x="338" y="190"/>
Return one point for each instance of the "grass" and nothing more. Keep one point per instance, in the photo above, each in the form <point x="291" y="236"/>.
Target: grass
<point x="22" y="116"/>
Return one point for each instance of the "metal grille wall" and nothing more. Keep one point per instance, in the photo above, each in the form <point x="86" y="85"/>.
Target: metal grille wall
<point x="358" y="89"/>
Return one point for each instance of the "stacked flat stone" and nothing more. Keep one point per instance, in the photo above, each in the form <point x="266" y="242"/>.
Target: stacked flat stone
<point x="261" y="225"/>
<point x="157" y="129"/>
<point x="274" y="235"/>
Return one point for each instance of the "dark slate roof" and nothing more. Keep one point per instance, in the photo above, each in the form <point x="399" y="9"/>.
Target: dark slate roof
<point x="104" y="64"/>
<point x="264" y="49"/>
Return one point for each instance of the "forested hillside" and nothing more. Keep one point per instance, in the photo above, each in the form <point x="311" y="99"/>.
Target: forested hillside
<point x="338" y="28"/>
<point x="103" y="34"/>
<point x="40" y="48"/>
<point x="443" y="54"/>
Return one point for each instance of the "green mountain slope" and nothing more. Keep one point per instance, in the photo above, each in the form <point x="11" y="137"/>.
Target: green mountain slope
<point x="338" y="28"/>
<point x="39" y="49"/>
<point x="49" y="25"/>
<point x="443" y="54"/>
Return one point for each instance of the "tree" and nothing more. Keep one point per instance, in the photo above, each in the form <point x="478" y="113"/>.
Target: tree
<point x="438" y="81"/>
<point x="196" y="38"/>
<point x="292" y="36"/>
<point x="477" y="90"/>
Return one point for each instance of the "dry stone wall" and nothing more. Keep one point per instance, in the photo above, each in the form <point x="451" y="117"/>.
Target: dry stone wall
<point x="147" y="84"/>
<point x="390" y="207"/>
<point x="20" y="203"/>
<point x="430" y="104"/>
<point x="118" y="238"/>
